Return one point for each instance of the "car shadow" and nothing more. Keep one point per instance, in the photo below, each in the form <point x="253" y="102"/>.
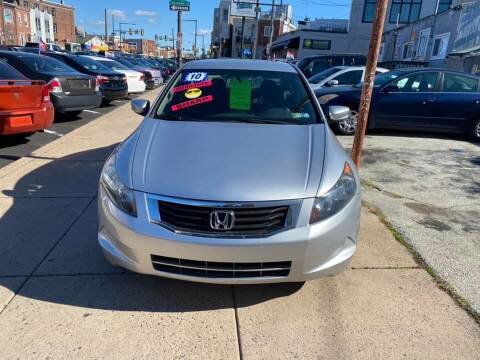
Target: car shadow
<point x="50" y="252"/>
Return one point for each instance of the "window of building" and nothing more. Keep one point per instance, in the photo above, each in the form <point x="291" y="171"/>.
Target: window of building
<point x="422" y="44"/>
<point x="459" y="83"/>
<point x="407" y="52"/>
<point x="381" y="53"/>
<point x="444" y="5"/>
<point x="267" y="30"/>
<point x="26" y="4"/>
<point x="225" y="14"/>
<point x="317" y="44"/>
<point x="369" y="11"/>
<point x="55" y="28"/>
<point x="47" y="26"/>
<point x="405" y="11"/>
<point x="35" y="6"/>
<point x="38" y="25"/>
<point x="53" y="12"/>
<point x="440" y="46"/>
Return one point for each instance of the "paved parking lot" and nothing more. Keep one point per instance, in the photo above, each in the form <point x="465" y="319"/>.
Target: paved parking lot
<point x="428" y="187"/>
<point x="60" y="299"/>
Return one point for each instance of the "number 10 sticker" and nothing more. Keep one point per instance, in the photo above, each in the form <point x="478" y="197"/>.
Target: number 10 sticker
<point x="195" y="76"/>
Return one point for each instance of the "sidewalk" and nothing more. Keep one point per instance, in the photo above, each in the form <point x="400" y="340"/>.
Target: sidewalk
<point x="60" y="299"/>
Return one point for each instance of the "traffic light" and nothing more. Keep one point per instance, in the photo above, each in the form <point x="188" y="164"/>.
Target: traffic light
<point x="130" y="31"/>
<point x="142" y="32"/>
<point x="156" y="38"/>
<point x="166" y="38"/>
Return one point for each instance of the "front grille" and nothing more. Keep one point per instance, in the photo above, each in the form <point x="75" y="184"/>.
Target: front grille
<point x="249" y="221"/>
<point x="225" y="270"/>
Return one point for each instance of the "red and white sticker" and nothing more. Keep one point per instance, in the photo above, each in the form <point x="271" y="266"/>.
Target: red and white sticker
<point x="191" y="86"/>
<point x="189" y="103"/>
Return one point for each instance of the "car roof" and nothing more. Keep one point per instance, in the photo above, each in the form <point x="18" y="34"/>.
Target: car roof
<point x="18" y="53"/>
<point x="238" y="64"/>
<point x="423" y="69"/>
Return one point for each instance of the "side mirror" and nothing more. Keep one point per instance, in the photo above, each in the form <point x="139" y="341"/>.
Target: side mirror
<point x="331" y="83"/>
<point x="140" y="106"/>
<point x="338" y="113"/>
<point x="390" y="89"/>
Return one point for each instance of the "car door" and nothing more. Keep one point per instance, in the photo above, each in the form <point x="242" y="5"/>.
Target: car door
<point x="458" y="102"/>
<point x="409" y="104"/>
<point x="349" y="77"/>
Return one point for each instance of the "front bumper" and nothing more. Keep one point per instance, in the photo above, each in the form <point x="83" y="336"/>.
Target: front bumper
<point x="66" y="103"/>
<point x="323" y="249"/>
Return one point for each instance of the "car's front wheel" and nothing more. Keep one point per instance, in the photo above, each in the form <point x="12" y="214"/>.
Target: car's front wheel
<point x="476" y="131"/>
<point x="348" y="126"/>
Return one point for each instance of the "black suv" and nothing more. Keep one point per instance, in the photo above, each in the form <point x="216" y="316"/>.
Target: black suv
<point x="113" y="85"/>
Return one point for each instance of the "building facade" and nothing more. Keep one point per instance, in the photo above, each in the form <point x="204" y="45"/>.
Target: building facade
<point x="35" y="20"/>
<point x="142" y="46"/>
<point x="313" y="39"/>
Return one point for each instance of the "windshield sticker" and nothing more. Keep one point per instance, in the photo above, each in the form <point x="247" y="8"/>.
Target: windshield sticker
<point x="193" y="93"/>
<point x="195" y="77"/>
<point x="240" y="95"/>
<point x="301" y="115"/>
<point x="192" y="86"/>
<point x="189" y="103"/>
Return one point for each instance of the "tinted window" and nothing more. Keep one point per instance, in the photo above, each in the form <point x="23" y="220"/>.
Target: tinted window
<point x="238" y="95"/>
<point x="45" y="64"/>
<point x="349" y="78"/>
<point x="387" y="77"/>
<point x="315" y="79"/>
<point x="88" y="63"/>
<point x="113" y="65"/>
<point x="418" y="82"/>
<point x="459" y="83"/>
<point x="9" y="73"/>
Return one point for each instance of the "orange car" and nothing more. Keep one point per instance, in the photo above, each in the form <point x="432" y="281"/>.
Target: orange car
<point x="25" y="105"/>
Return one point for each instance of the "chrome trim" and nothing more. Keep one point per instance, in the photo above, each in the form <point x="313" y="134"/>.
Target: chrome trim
<point x="153" y="213"/>
<point x="220" y="269"/>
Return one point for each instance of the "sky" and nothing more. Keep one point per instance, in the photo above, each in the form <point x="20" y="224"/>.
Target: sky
<point x="155" y="17"/>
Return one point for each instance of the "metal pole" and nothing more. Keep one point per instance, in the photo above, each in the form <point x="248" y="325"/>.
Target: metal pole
<point x="195" y="44"/>
<point x="242" y="43"/>
<point x="173" y="40"/>
<point x="121" y="47"/>
<point x="3" y="23"/>
<point x="272" y="24"/>
<point x="179" y="38"/>
<point x="365" y="99"/>
<point x="255" y="44"/>
<point x="106" y="27"/>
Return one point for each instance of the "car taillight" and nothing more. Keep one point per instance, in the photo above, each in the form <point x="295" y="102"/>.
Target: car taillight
<point x="142" y="77"/>
<point x="46" y="93"/>
<point x="54" y="86"/>
<point x="100" y="81"/>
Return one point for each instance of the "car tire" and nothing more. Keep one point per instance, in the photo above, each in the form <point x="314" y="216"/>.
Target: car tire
<point x="476" y="131"/>
<point x="349" y="125"/>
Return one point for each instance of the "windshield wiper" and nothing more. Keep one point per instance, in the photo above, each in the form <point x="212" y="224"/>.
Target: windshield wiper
<point x="181" y="118"/>
<point x="263" y="121"/>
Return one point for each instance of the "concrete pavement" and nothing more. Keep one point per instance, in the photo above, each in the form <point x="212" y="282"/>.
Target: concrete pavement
<point x="429" y="190"/>
<point x="60" y="299"/>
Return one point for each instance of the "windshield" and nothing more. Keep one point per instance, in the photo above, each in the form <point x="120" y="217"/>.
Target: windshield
<point x="384" y="78"/>
<point x="113" y="65"/>
<point x="46" y="64"/>
<point x="238" y="95"/>
<point x="315" y="79"/>
<point x="139" y="62"/>
<point x="88" y="63"/>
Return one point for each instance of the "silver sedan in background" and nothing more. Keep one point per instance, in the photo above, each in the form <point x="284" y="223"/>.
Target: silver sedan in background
<point x="232" y="177"/>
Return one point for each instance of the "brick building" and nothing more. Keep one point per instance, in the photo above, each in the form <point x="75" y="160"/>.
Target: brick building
<point x="35" y="20"/>
<point x="142" y="46"/>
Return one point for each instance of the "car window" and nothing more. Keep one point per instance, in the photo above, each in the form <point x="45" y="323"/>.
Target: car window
<point x="46" y="64"/>
<point x="315" y="79"/>
<point x="111" y="64"/>
<point x="417" y="82"/>
<point x="349" y="78"/>
<point x="238" y="95"/>
<point x="459" y="83"/>
<point x="88" y="63"/>
<point x="9" y="73"/>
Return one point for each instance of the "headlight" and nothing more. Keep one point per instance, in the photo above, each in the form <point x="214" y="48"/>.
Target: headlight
<point x="326" y="98"/>
<point x="118" y="193"/>
<point x="336" y="198"/>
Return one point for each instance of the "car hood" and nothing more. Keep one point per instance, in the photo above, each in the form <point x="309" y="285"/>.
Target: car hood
<point x="228" y="161"/>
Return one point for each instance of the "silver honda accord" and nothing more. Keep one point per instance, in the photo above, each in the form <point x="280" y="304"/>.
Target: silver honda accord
<point x="232" y="177"/>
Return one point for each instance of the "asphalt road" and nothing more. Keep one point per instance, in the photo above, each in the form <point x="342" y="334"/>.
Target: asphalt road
<point x="14" y="147"/>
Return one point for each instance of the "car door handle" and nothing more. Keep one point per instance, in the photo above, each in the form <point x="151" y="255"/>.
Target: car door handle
<point x="427" y="101"/>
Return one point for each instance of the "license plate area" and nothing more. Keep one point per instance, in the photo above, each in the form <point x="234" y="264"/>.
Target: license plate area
<point x="19" y="121"/>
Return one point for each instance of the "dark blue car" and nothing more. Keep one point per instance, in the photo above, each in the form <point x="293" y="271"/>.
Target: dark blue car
<point x="424" y="99"/>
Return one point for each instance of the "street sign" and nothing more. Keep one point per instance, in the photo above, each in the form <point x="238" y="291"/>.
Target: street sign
<point x="243" y="8"/>
<point x="179" y="5"/>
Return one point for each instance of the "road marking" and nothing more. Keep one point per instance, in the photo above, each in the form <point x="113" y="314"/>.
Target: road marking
<point x="52" y="132"/>
<point x="93" y="112"/>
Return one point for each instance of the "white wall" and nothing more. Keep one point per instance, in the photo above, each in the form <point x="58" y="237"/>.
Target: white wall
<point x="43" y="34"/>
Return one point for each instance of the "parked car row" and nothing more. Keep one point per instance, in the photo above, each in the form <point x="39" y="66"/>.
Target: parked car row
<point x="424" y="99"/>
<point x="71" y="82"/>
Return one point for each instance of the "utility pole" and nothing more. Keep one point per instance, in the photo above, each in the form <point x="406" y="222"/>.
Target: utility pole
<point x="272" y="24"/>
<point x="242" y="43"/>
<point x="365" y="99"/>
<point x="179" y="38"/>
<point x="106" y="27"/>
<point x="255" y="43"/>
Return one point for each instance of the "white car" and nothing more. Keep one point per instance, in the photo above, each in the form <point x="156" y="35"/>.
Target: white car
<point x="340" y="76"/>
<point x="135" y="79"/>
